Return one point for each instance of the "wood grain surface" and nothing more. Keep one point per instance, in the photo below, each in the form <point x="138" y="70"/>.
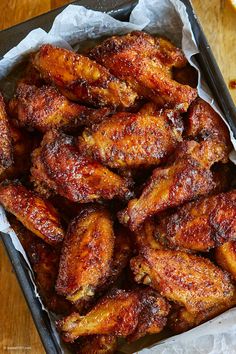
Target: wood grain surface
<point x="17" y="332"/>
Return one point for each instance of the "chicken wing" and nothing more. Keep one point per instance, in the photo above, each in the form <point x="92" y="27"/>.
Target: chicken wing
<point x="185" y="177"/>
<point x="23" y="144"/>
<point x="191" y="281"/>
<point x="58" y="166"/>
<point x="82" y="79"/>
<point x="146" y="236"/>
<point x="44" y="260"/>
<point x="145" y="65"/>
<point x="225" y="256"/>
<point x="35" y="213"/>
<point x="97" y="344"/>
<point x="86" y="255"/>
<point x="204" y="124"/>
<point x="6" y="154"/>
<point x="201" y="225"/>
<point x="44" y="108"/>
<point x="120" y="314"/>
<point x="133" y="140"/>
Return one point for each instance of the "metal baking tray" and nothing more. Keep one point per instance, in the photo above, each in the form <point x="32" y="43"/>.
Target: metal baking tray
<point x="119" y="9"/>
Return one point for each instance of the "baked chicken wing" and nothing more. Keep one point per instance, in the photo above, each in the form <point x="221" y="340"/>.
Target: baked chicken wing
<point x="6" y="154"/>
<point x="145" y="65"/>
<point x="120" y="313"/>
<point x="58" y="166"/>
<point x="132" y="140"/>
<point x="202" y="224"/>
<point x="225" y="256"/>
<point x="204" y="124"/>
<point x="189" y="280"/>
<point x="35" y="213"/>
<point x="86" y="255"/>
<point x="44" y="260"/>
<point x="185" y="177"/>
<point x="44" y="108"/>
<point x="81" y="79"/>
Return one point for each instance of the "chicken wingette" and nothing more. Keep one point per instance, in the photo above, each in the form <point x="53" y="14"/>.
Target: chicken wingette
<point x="189" y="280"/>
<point x="185" y="177"/>
<point x="145" y="65"/>
<point x="200" y="225"/>
<point x="225" y="256"/>
<point x="81" y="79"/>
<point x="44" y="260"/>
<point x="6" y="153"/>
<point x="133" y="140"/>
<point x="36" y="213"/>
<point x="204" y="124"/>
<point x="120" y="313"/>
<point x="59" y="167"/>
<point x="44" y="108"/>
<point x="86" y="256"/>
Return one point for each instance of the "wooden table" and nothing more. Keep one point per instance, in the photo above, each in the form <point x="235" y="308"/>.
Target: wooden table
<point x="17" y="332"/>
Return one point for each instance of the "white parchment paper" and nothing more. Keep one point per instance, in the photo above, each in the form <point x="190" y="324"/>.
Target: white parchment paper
<point x="165" y="17"/>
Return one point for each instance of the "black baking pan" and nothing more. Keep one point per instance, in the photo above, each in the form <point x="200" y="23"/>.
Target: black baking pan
<point x="119" y="9"/>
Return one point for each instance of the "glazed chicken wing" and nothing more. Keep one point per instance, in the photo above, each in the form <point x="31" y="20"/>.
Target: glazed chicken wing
<point x="225" y="256"/>
<point x="185" y="177"/>
<point x="6" y="155"/>
<point x="201" y="225"/>
<point x="120" y="313"/>
<point x="191" y="281"/>
<point x="58" y="166"/>
<point x="145" y="65"/>
<point x="132" y="140"/>
<point x="44" y="260"/>
<point x="86" y="255"/>
<point x="35" y="213"/>
<point x="44" y="108"/>
<point x="82" y="79"/>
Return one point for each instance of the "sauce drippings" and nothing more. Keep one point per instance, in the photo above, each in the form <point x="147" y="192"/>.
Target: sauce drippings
<point x="232" y="84"/>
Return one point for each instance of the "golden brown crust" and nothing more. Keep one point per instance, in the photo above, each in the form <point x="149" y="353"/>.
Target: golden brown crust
<point x="44" y="108"/>
<point x="44" y="260"/>
<point x="82" y="79"/>
<point x="146" y="236"/>
<point x="6" y="154"/>
<point x="191" y="281"/>
<point x="97" y="344"/>
<point x="86" y="256"/>
<point x="185" y="177"/>
<point x="136" y="59"/>
<point x="204" y="124"/>
<point x="225" y="256"/>
<point x="120" y="313"/>
<point x="201" y="225"/>
<point x="35" y="213"/>
<point x="133" y="140"/>
<point x="60" y="167"/>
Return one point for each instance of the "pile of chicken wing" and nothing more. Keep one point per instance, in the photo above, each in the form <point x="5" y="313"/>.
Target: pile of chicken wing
<point x="117" y="181"/>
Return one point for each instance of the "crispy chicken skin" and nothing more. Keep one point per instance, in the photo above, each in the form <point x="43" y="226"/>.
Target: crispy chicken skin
<point x="6" y="154"/>
<point x="86" y="255"/>
<point x="44" y="108"/>
<point x="97" y="344"/>
<point x="81" y="79"/>
<point x="185" y="177"/>
<point x="204" y="124"/>
<point x="23" y="144"/>
<point x="225" y="256"/>
<point x="44" y="260"/>
<point x="145" y="65"/>
<point x="132" y="140"/>
<point x="201" y="225"/>
<point x="58" y="166"/>
<point x="35" y="213"/>
<point x="121" y="313"/>
<point x="189" y="280"/>
<point x="146" y="236"/>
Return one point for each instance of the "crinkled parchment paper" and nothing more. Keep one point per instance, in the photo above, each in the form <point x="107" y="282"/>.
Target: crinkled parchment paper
<point x="165" y="17"/>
